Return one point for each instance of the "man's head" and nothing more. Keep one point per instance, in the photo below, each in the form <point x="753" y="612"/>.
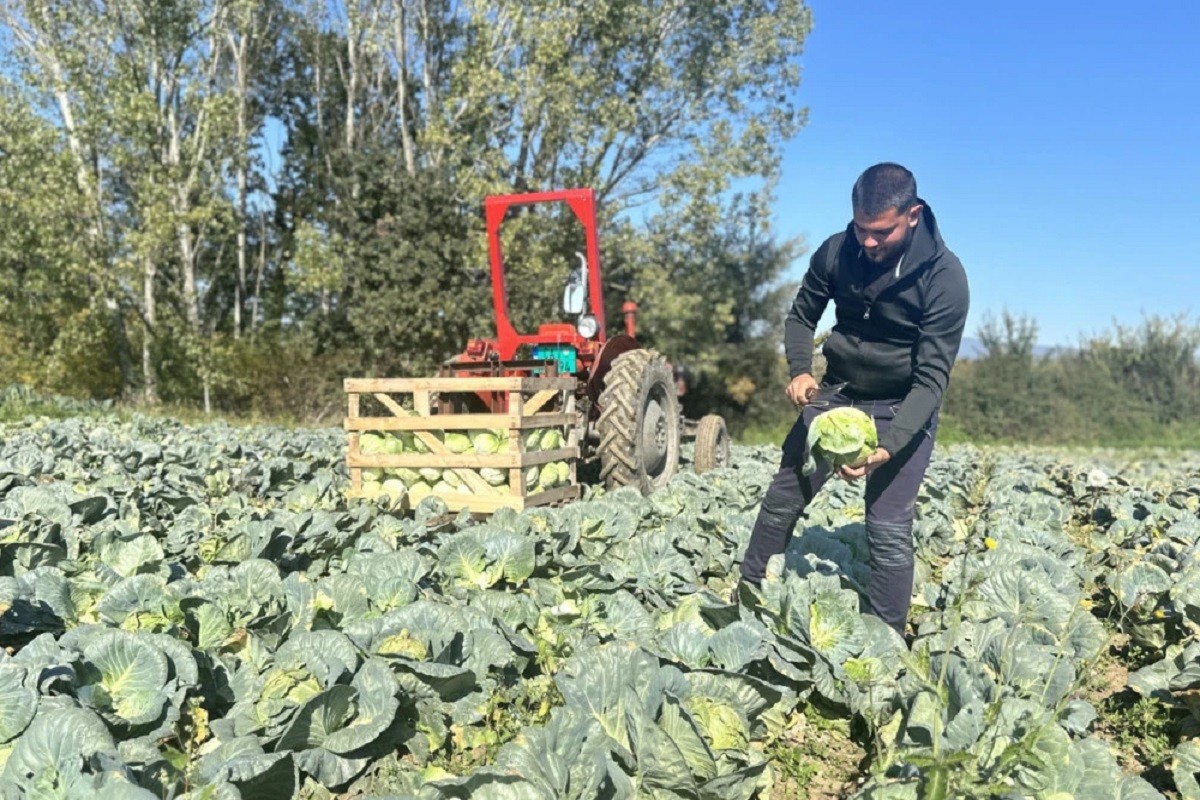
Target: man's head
<point x="886" y="211"/>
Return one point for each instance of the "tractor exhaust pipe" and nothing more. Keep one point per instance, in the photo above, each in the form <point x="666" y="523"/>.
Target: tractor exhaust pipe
<point x="629" y="309"/>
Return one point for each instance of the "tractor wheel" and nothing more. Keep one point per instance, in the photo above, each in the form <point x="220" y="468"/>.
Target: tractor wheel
<point x="639" y="423"/>
<point x="712" y="443"/>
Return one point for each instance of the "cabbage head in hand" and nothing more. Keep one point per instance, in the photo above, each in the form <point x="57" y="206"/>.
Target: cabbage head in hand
<point x="841" y="437"/>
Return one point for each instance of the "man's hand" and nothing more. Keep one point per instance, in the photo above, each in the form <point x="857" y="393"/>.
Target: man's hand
<point x="802" y="389"/>
<point x="873" y="462"/>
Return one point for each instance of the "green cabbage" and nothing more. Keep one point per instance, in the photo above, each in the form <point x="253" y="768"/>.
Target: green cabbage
<point x="487" y="442"/>
<point x="458" y="442"/>
<point x="394" y="488"/>
<point x="418" y="491"/>
<point x="840" y="437"/>
<point x="406" y="474"/>
<point x="493" y="476"/>
<point x="372" y="444"/>
<point x="547" y="477"/>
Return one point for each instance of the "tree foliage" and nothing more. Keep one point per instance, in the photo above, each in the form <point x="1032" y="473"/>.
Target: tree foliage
<point x="192" y="186"/>
<point x="53" y="323"/>
<point x="1131" y="385"/>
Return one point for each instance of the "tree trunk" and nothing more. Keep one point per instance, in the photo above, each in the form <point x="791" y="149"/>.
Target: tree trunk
<point x="124" y="355"/>
<point x="149" y="372"/>
<point x="400" y="38"/>
<point x="256" y="314"/>
<point x="240" y="290"/>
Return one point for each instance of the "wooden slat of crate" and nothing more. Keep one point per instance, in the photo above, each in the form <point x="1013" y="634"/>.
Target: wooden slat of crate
<point x="352" y="444"/>
<point x="573" y="435"/>
<point x="487" y="504"/>
<point x="422" y="402"/>
<point x="534" y="404"/>
<point x="516" y="477"/>
<point x="539" y="457"/>
<point x="460" y="384"/>
<point x="460" y="461"/>
<point x="440" y="422"/>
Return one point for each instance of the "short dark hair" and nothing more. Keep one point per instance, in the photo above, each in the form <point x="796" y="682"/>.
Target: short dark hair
<point x="882" y="187"/>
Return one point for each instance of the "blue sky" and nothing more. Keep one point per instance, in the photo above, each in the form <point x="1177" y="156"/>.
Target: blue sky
<point x="1057" y="142"/>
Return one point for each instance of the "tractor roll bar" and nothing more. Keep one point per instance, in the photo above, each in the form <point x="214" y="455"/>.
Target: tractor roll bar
<point x="582" y="203"/>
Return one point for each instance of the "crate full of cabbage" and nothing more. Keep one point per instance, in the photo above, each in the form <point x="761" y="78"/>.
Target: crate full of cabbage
<point x="411" y="438"/>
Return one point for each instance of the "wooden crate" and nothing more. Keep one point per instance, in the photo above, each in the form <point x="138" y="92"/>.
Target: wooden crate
<point x="425" y="405"/>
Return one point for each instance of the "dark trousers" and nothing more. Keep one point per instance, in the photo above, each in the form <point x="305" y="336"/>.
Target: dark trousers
<point x="891" y="498"/>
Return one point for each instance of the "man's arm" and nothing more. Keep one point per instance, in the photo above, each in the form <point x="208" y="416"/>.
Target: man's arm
<point x="801" y="324"/>
<point x="937" y="346"/>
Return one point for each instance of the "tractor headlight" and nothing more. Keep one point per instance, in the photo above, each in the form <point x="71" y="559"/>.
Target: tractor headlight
<point x="587" y="326"/>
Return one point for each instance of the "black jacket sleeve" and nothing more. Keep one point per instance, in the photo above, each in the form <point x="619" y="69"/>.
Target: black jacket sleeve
<point x="811" y="299"/>
<point x="938" y="340"/>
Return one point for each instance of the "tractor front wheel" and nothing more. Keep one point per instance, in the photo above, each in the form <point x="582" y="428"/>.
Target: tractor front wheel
<point x="712" y="443"/>
<point x="639" y="423"/>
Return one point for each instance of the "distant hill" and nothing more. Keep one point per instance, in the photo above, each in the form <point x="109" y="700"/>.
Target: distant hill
<point x="970" y="348"/>
<point x="973" y="348"/>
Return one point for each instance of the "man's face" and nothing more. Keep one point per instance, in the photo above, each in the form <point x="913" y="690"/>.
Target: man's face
<point x="884" y="237"/>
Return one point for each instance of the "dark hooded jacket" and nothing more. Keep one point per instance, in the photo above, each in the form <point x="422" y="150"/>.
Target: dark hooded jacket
<point x="898" y="329"/>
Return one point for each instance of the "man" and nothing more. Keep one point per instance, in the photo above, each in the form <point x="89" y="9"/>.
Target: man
<point x="901" y="300"/>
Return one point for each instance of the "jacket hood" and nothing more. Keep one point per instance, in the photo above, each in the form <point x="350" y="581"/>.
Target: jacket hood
<point x="927" y="239"/>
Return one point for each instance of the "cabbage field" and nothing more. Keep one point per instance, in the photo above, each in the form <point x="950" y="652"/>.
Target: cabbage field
<point x="196" y="612"/>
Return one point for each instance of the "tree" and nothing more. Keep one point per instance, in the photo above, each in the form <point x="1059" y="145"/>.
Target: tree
<point x="55" y="82"/>
<point x="712" y="297"/>
<point x="999" y="395"/>
<point x="664" y="104"/>
<point x="139" y="89"/>
<point x="1157" y="361"/>
<point x="252" y="26"/>
<point x="399" y="116"/>
<point x="56" y="331"/>
<point x="408" y="298"/>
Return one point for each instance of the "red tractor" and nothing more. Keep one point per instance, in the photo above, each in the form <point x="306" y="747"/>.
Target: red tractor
<point x="628" y="411"/>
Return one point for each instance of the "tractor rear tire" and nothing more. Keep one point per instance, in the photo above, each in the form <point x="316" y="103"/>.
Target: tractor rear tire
<point x="712" y="444"/>
<point x="639" y="423"/>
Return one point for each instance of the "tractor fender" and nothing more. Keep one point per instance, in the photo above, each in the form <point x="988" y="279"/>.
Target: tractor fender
<point x="616" y="346"/>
